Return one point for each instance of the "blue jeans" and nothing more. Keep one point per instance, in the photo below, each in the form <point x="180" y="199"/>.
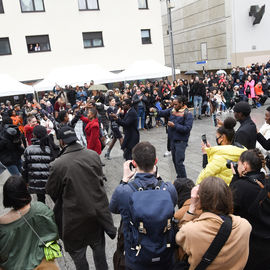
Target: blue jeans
<point x="15" y="169"/>
<point x="197" y="102"/>
<point x="141" y="114"/>
<point x="178" y="149"/>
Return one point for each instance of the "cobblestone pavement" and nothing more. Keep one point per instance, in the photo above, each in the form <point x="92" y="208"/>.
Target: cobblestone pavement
<point x="158" y="137"/>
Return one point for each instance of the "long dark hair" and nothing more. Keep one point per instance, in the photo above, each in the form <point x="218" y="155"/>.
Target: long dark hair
<point x="40" y="133"/>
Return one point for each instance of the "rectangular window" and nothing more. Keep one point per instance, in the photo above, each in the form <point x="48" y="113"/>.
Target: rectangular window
<point x="146" y="36"/>
<point x="4" y="46"/>
<point x="142" y="4"/>
<point x="32" y="5"/>
<point x="92" y="39"/>
<point x="204" y="51"/>
<point x="88" y="4"/>
<point x="38" y="43"/>
<point x="1" y="7"/>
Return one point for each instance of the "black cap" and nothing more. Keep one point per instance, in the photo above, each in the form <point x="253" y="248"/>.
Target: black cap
<point x="242" y="107"/>
<point x="67" y="134"/>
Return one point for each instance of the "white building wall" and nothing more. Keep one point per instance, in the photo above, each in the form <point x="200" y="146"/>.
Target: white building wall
<point x="120" y="22"/>
<point x="250" y="42"/>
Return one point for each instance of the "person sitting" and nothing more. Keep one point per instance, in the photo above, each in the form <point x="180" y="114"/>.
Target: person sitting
<point x="196" y="233"/>
<point x="215" y="158"/>
<point x="250" y="189"/>
<point x="20" y="248"/>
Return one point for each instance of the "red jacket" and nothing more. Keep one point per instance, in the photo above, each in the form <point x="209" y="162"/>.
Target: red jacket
<point x="92" y="134"/>
<point x="28" y="131"/>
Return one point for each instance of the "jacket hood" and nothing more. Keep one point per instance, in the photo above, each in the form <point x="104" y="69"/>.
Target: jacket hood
<point x="229" y="152"/>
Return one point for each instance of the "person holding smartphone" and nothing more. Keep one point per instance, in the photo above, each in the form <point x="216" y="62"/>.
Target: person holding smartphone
<point x="215" y="158"/>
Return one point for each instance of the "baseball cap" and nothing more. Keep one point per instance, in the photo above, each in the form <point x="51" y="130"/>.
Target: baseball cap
<point x="67" y="134"/>
<point x="242" y="107"/>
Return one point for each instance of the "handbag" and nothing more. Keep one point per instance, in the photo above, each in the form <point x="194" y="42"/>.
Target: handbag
<point x="52" y="249"/>
<point x="215" y="247"/>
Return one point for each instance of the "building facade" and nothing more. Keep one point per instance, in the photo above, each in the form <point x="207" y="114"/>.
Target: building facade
<point x="220" y="32"/>
<point x="39" y="35"/>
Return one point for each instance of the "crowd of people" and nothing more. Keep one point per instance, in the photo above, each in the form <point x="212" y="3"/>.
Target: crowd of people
<point x="45" y="146"/>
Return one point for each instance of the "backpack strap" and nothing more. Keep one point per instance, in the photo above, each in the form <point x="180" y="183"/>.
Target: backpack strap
<point x="217" y="244"/>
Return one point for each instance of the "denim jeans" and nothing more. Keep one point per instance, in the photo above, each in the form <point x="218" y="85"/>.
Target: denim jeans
<point x="197" y="102"/>
<point x="141" y="114"/>
<point x="79" y="256"/>
<point x="178" y="149"/>
<point x="15" y="169"/>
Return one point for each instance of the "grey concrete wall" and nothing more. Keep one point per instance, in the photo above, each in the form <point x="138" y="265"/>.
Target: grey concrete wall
<point x="201" y="21"/>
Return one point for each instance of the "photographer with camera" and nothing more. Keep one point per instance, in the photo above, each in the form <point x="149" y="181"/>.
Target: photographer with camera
<point x="11" y="147"/>
<point x="215" y="158"/>
<point x="252" y="202"/>
<point x="146" y="205"/>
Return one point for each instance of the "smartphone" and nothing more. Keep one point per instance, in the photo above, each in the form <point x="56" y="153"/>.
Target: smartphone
<point x="204" y="139"/>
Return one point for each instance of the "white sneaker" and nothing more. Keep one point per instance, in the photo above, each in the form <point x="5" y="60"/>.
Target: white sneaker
<point x="107" y="140"/>
<point x="167" y="153"/>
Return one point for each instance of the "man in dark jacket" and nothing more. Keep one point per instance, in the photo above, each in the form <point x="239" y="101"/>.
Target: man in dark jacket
<point x="247" y="132"/>
<point x="144" y="160"/>
<point x="199" y="94"/>
<point x="81" y="204"/>
<point x="179" y="127"/>
<point x="129" y="123"/>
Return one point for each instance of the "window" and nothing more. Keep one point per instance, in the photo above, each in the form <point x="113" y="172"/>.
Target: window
<point x="1" y="7"/>
<point x="92" y="39"/>
<point x="4" y="46"/>
<point x="146" y="36"/>
<point x="38" y="43"/>
<point x="142" y="4"/>
<point x="32" y="5"/>
<point x="88" y="4"/>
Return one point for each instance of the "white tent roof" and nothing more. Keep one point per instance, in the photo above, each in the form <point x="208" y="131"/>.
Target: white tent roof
<point x="11" y="87"/>
<point x="145" y="69"/>
<point x="75" y="75"/>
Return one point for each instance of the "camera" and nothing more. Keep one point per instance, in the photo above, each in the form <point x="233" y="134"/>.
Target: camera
<point x="235" y="165"/>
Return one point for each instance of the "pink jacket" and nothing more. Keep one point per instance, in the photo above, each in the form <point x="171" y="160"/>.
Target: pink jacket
<point x="251" y="86"/>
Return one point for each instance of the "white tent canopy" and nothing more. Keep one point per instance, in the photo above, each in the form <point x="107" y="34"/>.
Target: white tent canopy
<point x="75" y="75"/>
<point x="145" y="69"/>
<point x="11" y="87"/>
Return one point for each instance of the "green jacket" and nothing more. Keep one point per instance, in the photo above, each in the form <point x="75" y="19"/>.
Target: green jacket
<point x="20" y="248"/>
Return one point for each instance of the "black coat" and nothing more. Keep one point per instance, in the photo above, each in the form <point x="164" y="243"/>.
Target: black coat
<point x="181" y="91"/>
<point x="81" y="204"/>
<point x="245" y="191"/>
<point x="129" y="123"/>
<point x="10" y="147"/>
<point x="35" y="170"/>
<point x="199" y="90"/>
<point x="264" y="142"/>
<point x="246" y="134"/>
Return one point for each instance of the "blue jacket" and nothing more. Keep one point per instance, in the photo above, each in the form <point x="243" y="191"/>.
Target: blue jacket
<point x="120" y="205"/>
<point x="182" y="128"/>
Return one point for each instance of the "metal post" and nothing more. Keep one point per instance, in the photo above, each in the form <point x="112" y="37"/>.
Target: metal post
<point x="168" y="2"/>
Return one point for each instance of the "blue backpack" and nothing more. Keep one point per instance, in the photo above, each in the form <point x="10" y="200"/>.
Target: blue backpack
<point x="152" y="234"/>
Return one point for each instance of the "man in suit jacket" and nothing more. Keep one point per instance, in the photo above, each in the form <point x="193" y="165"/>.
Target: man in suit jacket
<point x="129" y="123"/>
<point x="247" y="132"/>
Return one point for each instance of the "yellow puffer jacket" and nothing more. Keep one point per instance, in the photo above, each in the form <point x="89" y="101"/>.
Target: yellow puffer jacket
<point x="217" y="159"/>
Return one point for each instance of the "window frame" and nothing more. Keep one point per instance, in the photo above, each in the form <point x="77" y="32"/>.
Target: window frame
<point x="50" y="49"/>
<point x="147" y="7"/>
<point x="91" y="47"/>
<point x="31" y="11"/>
<point x="8" y="46"/>
<point x="150" y="37"/>
<point x="2" y="6"/>
<point x="87" y="9"/>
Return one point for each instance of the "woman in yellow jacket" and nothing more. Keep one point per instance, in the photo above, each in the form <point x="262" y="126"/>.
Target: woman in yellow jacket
<point x="215" y="158"/>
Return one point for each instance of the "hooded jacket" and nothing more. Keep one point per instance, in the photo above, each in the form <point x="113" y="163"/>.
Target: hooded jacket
<point x="217" y="159"/>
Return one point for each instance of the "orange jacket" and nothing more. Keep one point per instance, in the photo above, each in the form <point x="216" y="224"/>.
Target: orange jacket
<point x="258" y="90"/>
<point x="18" y="121"/>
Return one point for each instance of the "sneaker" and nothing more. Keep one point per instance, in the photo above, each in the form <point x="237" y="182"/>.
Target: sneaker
<point x="167" y="153"/>
<point x="107" y="140"/>
<point x="199" y="117"/>
<point x="107" y="156"/>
